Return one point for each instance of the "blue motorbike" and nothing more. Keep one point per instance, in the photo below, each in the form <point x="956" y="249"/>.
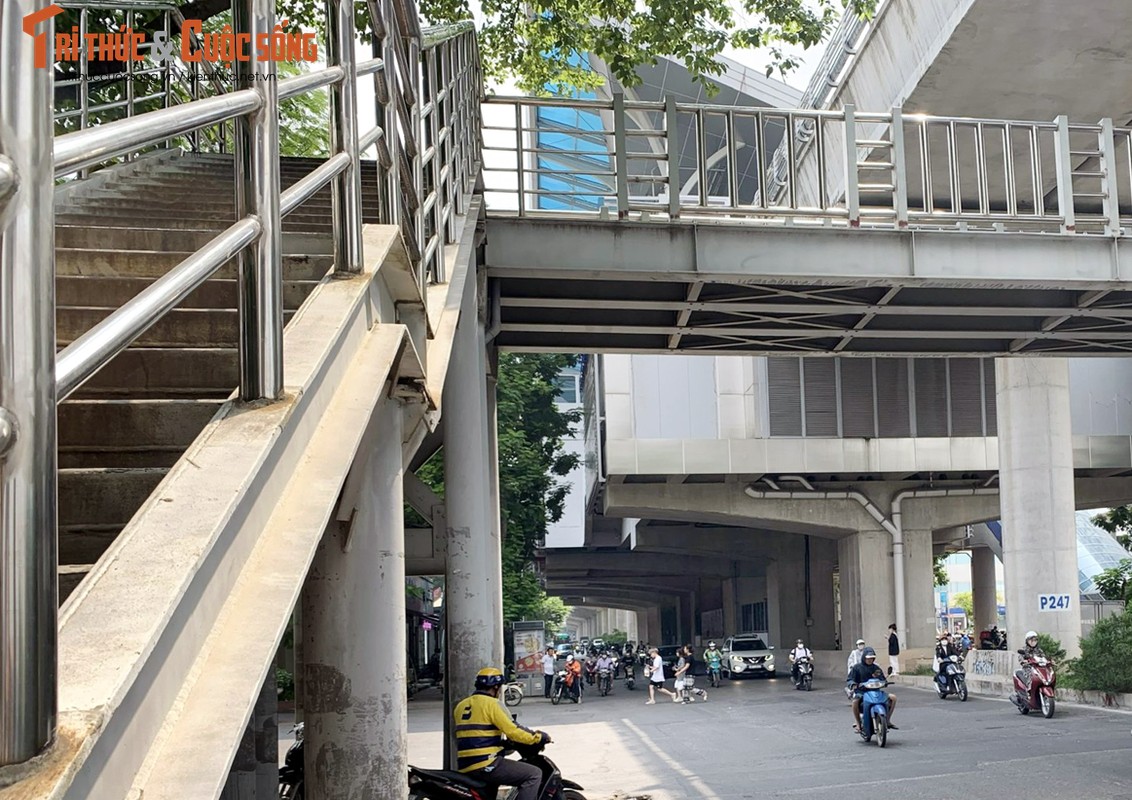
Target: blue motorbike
<point x="874" y="710"/>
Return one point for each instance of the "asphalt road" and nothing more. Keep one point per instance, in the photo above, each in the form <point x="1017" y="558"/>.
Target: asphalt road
<point x="758" y="739"/>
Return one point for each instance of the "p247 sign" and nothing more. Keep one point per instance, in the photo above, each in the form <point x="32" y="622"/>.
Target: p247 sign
<point x="1055" y="602"/>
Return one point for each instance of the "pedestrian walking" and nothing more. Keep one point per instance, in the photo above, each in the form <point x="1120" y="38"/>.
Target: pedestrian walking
<point x="893" y="651"/>
<point x="547" y="672"/>
<point x="688" y="673"/>
<point x="655" y="673"/>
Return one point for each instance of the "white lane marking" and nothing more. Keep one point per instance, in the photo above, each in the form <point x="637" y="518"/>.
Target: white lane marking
<point x="702" y="789"/>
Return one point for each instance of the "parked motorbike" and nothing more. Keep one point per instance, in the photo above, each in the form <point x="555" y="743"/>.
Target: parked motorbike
<point x="291" y="773"/>
<point x="952" y="679"/>
<point x="874" y="711"/>
<point x="1038" y="693"/>
<point x="805" y="674"/>
<point x="513" y="693"/>
<point x="426" y="784"/>
<point x="605" y="681"/>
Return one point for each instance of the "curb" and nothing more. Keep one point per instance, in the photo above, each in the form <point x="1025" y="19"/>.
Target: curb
<point x="999" y="688"/>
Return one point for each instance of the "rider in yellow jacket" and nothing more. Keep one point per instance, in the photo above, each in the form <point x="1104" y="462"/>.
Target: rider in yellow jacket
<point x="481" y="725"/>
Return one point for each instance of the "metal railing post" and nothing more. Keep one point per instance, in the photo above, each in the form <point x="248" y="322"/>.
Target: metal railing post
<point x="621" y="155"/>
<point x="1063" y="164"/>
<point x="257" y="193"/>
<point x="852" y="191"/>
<point x="29" y="593"/>
<point x="672" y="151"/>
<point x="391" y="212"/>
<point x="899" y="169"/>
<point x="347" y="191"/>
<point x="1109" y="184"/>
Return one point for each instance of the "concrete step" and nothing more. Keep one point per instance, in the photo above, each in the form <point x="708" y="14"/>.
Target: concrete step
<point x="101" y="498"/>
<point x="111" y="291"/>
<point x="129" y="433"/>
<point x="154" y="373"/>
<point x="182" y="327"/>
<point x="100" y="237"/>
<point x="153" y="264"/>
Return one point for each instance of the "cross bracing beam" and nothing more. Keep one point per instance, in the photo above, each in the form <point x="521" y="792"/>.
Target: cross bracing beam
<point x="714" y="287"/>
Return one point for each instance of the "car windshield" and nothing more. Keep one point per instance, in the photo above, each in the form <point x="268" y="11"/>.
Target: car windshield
<point x="668" y="651"/>
<point x="747" y="645"/>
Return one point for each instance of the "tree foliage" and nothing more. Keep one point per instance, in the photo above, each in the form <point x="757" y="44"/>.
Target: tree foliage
<point x="1115" y="583"/>
<point x="1105" y="664"/>
<point x="538" y="44"/>
<point x="1118" y="522"/>
<point x="965" y="601"/>
<point x="939" y="570"/>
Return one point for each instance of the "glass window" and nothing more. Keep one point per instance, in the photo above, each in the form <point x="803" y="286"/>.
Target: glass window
<point x="567" y="388"/>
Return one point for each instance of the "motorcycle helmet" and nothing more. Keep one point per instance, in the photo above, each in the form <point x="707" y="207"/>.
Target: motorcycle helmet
<point x="868" y="653"/>
<point x="488" y="677"/>
<point x="1031" y="635"/>
<point x="569" y="659"/>
<point x="711" y="645"/>
<point x="860" y="643"/>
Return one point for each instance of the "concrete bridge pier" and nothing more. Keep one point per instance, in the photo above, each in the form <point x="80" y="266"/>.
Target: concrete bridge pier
<point x="474" y="583"/>
<point x="1035" y="453"/>
<point x="984" y="588"/>
<point x="865" y="569"/>
<point x="354" y="636"/>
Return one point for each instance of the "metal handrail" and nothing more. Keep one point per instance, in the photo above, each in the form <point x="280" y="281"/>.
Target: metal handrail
<point x="431" y="124"/>
<point x="857" y="168"/>
<point x="87" y="148"/>
<point x="87" y="354"/>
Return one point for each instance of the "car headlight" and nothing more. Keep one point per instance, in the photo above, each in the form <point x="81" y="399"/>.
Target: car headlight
<point x="770" y="659"/>
<point x="736" y="659"/>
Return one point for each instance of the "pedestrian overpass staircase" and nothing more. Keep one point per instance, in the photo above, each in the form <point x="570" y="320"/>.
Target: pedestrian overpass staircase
<point x="202" y="449"/>
<point x="123" y="430"/>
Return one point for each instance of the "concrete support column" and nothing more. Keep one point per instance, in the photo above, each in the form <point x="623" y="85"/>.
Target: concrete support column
<point x="867" y="596"/>
<point x="730" y="592"/>
<point x="919" y="588"/>
<point x="822" y="632"/>
<point x="474" y="584"/>
<point x="984" y="588"/>
<point x="786" y="601"/>
<point x="1035" y="455"/>
<point x="654" y="626"/>
<point x="354" y="645"/>
<point x="495" y="541"/>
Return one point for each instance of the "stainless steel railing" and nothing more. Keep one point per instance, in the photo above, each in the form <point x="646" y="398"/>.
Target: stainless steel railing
<point x="426" y="88"/>
<point x="666" y="160"/>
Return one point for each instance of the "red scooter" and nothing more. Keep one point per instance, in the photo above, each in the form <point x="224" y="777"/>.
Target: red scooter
<point x="1038" y="694"/>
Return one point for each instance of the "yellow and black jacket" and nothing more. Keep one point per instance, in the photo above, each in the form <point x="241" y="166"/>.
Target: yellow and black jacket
<point x="481" y="724"/>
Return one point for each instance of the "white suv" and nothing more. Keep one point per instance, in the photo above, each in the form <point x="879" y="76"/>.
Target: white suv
<point x="747" y="654"/>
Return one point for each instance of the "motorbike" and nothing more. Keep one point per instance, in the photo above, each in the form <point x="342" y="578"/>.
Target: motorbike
<point x="590" y="670"/>
<point x="630" y="677"/>
<point x="426" y="784"/>
<point x="714" y="676"/>
<point x="291" y="773"/>
<point x="874" y="711"/>
<point x="1038" y="694"/>
<point x="513" y="693"/>
<point x="951" y="679"/>
<point x="560" y="690"/>
<point x="605" y="681"/>
<point x="805" y="674"/>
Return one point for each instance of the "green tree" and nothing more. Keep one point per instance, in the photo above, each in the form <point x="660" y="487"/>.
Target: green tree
<point x="939" y="570"/>
<point x="965" y="601"/>
<point x="531" y="466"/>
<point x="537" y="44"/>
<point x="1115" y="583"/>
<point x="1105" y="664"/>
<point x="1118" y="522"/>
